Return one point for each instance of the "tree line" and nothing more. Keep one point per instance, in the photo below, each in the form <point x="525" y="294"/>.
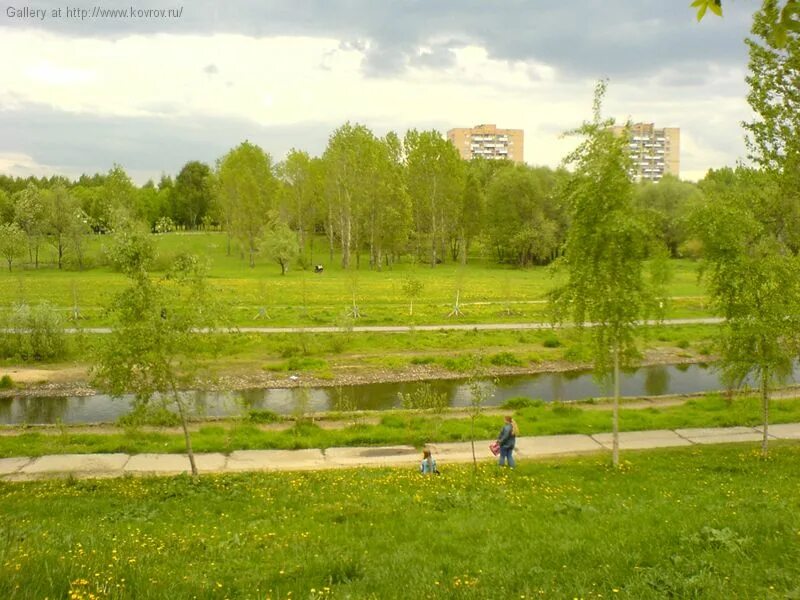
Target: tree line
<point x="373" y="200"/>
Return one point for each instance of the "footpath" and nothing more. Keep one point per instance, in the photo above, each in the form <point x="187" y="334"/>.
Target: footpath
<point x="528" y="448"/>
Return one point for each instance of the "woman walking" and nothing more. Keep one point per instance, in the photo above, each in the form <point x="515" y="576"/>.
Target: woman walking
<point x="507" y="440"/>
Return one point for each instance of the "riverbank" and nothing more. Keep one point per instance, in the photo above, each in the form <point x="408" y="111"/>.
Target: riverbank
<point x="410" y="428"/>
<point x="74" y="379"/>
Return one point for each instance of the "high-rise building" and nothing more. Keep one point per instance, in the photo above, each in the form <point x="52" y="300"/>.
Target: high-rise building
<point x="487" y="141"/>
<point x="655" y="152"/>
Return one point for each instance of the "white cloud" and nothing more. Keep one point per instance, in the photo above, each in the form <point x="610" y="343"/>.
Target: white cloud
<point x="280" y="81"/>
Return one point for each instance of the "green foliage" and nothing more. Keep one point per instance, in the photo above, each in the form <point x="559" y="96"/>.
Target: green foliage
<point x="754" y="283"/>
<point x="425" y="397"/>
<point x="702" y="6"/>
<point x="521" y="402"/>
<point x="262" y="416"/>
<point x="149" y="415"/>
<point x="12" y="242"/>
<point x="6" y="382"/>
<point x="280" y="244"/>
<point x="551" y="341"/>
<point x="34" y="333"/>
<point x="505" y="359"/>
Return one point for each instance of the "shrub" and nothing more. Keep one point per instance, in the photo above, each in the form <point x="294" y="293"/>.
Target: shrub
<point x="521" y="402"/>
<point x="551" y="341"/>
<point x="683" y="344"/>
<point x="262" y="416"/>
<point x="505" y="359"/>
<point x="425" y="397"/>
<point x="6" y="383"/>
<point x="34" y="333"/>
<point x="146" y="414"/>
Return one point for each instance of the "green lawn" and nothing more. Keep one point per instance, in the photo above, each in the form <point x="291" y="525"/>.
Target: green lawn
<point x="700" y="522"/>
<point x="488" y="292"/>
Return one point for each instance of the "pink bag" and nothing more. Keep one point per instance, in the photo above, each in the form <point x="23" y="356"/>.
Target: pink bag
<point x="495" y="448"/>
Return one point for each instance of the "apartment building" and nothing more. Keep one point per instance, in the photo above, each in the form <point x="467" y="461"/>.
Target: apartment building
<point x="655" y="152"/>
<point x="487" y="141"/>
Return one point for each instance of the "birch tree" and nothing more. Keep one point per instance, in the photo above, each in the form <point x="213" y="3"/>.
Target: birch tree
<point x="605" y="251"/>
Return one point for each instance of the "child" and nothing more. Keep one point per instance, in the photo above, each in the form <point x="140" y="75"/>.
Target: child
<point x="428" y="464"/>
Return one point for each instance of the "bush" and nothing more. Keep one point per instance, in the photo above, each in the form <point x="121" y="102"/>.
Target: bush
<point x="505" y="359"/>
<point x="683" y="344"/>
<point x="262" y="416"/>
<point x="146" y="414"/>
<point x="425" y="397"/>
<point x="34" y="333"/>
<point x="6" y="383"/>
<point x="551" y="341"/>
<point x="521" y="402"/>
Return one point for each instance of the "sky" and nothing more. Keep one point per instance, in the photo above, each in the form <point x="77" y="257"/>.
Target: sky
<point x="80" y="92"/>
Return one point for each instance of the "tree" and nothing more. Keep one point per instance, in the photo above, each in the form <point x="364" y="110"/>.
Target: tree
<point x="435" y="173"/>
<point x="192" y="195"/>
<point x="246" y="190"/>
<point x="668" y="205"/>
<point x="521" y="224"/>
<point x="29" y="215"/>
<point x="352" y="167"/>
<point x="773" y="138"/>
<point x="280" y="244"/>
<point x="754" y="283"/>
<point x="64" y="222"/>
<point x="412" y="288"/>
<point x="607" y="244"/>
<point x="152" y="350"/>
<point x="12" y="242"/>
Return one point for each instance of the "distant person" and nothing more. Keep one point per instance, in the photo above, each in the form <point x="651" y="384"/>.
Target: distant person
<point x="428" y="464"/>
<point x="507" y="440"/>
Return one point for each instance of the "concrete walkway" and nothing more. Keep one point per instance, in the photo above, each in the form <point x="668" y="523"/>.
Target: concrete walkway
<point x="528" y="448"/>
<point x="409" y="328"/>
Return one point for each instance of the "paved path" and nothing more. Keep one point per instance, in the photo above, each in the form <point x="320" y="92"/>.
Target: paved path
<point x="117" y="465"/>
<point x="408" y="328"/>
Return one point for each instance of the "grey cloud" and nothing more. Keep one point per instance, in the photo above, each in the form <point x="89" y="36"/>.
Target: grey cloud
<point x="87" y="143"/>
<point x="619" y="38"/>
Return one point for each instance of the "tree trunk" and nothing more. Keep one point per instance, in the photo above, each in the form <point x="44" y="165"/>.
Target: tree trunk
<point x="615" y="417"/>
<point x="472" y="443"/>
<point x="764" y="409"/>
<point x="185" y="425"/>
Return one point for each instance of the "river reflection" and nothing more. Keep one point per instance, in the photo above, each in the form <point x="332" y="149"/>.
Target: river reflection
<point x="572" y="385"/>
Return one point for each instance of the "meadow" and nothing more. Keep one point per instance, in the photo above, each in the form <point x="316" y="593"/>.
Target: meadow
<point x="700" y="522"/>
<point x="261" y="296"/>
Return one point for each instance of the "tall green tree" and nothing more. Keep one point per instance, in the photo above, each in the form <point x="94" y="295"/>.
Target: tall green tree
<point x="192" y="195"/>
<point x="773" y="137"/>
<point x="754" y="283"/>
<point x="351" y="160"/>
<point x="246" y="189"/>
<point x="605" y="251"/>
<point x="29" y="214"/>
<point x="64" y="220"/>
<point x="435" y="176"/>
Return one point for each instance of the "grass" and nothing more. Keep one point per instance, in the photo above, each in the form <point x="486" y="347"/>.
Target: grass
<point x="401" y="427"/>
<point x="700" y="522"/>
<point x="301" y="298"/>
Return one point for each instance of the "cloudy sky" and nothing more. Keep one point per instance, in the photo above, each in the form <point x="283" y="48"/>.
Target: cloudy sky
<point x="151" y="93"/>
